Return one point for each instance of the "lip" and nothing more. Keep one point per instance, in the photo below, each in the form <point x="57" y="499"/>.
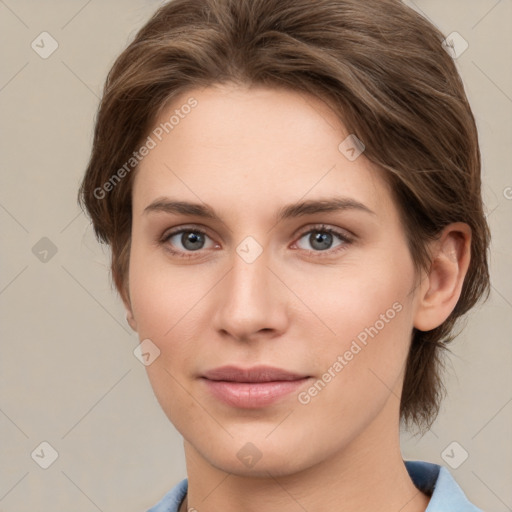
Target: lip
<point x="252" y="388"/>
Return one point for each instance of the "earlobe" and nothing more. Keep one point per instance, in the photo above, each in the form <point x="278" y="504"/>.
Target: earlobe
<point x="441" y="289"/>
<point x="129" y="312"/>
<point x="131" y="320"/>
<point x="122" y="288"/>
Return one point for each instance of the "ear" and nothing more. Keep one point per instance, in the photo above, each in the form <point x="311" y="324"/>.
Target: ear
<point x="441" y="287"/>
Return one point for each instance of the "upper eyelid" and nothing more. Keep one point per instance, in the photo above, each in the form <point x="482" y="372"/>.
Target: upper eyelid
<point x="326" y="227"/>
<point x="340" y="233"/>
<point x="174" y="231"/>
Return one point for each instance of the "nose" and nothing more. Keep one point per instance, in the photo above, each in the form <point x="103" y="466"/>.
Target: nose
<point x="251" y="302"/>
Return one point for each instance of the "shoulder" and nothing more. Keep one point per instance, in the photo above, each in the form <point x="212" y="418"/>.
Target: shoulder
<point x="437" y="481"/>
<point x="172" y="500"/>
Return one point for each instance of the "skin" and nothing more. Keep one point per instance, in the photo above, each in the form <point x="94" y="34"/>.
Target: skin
<point x="246" y="154"/>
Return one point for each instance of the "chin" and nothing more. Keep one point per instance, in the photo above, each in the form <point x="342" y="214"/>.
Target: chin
<point x="256" y="455"/>
<point x="270" y="464"/>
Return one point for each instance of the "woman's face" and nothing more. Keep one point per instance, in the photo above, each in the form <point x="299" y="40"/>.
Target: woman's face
<point x="269" y="279"/>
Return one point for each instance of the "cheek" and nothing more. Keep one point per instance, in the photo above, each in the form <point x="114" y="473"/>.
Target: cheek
<point x="358" y="372"/>
<point x="357" y="300"/>
<point x="166" y="303"/>
<point x="162" y="296"/>
<point x="169" y="304"/>
<point x="366" y="312"/>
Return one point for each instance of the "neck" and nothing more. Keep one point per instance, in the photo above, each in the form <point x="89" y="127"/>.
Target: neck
<point x="368" y="474"/>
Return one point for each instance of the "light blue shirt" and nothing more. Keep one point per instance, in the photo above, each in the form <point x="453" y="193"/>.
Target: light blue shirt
<point x="432" y="479"/>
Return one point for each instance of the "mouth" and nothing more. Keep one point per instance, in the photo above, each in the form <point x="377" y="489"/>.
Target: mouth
<point x="254" y="387"/>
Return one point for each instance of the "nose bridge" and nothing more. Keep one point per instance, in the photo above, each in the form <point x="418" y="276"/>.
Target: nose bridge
<point x="248" y="279"/>
<point x="247" y="301"/>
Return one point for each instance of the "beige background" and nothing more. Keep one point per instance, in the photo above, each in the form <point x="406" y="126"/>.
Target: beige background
<point x="68" y="373"/>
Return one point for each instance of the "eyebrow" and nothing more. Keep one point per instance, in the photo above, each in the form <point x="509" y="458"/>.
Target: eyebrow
<point x="310" y="207"/>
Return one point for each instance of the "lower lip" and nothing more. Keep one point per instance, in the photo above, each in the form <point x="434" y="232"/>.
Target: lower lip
<point x="252" y="395"/>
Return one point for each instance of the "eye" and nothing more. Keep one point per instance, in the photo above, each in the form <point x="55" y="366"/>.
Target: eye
<point x="187" y="241"/>
<point x="321" y="239"/>
<point x="184" y="242"/>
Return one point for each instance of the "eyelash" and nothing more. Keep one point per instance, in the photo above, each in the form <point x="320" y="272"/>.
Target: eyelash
<point x="321" y="228"/>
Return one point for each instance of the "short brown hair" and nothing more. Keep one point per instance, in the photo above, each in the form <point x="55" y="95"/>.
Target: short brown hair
<point x="380" y="66"/>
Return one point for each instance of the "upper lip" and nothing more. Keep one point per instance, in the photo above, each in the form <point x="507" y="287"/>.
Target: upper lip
<point x="254" y="374"/>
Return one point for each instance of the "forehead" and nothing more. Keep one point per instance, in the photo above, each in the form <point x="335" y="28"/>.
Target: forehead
<point x="252" y="146"/>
